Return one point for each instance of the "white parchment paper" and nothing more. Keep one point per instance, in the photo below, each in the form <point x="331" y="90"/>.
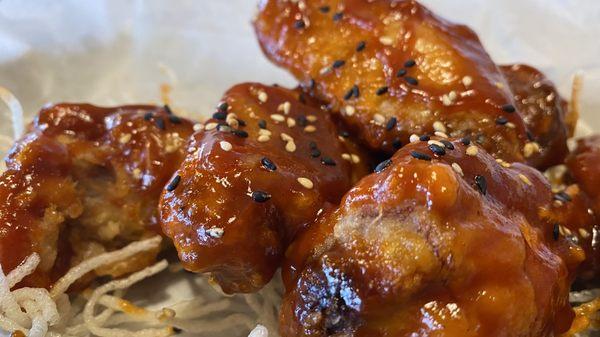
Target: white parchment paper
<point x="111" y="52"/>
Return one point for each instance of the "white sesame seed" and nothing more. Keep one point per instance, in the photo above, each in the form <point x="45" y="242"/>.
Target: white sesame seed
<point x="231" y="120"/>
<point x="386" y="40"/>
<point x="215" y="232"/>
<point x="441" y="134"/>
<point x="311" y="118"/>
<point x="290" y="146"/>
<point x="264" y="132"/>
<point x="457" y="169"/>
<point x="277" y="117"/>
<point x="285" y="107"/>
<point x="355" y="158"/>
<point x="525" y="179"/>
<point x="285" y="137"/>
<point x="310" y="129"/>
<point x="225" y="145"/>
<point x="210" y="126"/>
<point x="467" y="81"/>
<point x="510" y="125"/>
<point x="435" y="142"/>
<point x="346" y="156"/>
<point x="291" y="122"/>
<point x="446" y="100"/>
<point x="262" y="96"/>
<point x="125" y="138"/>
<point x="349" y="109"/>
<point x="472" y="150"/>
<point x="378" y="119"/>
<point x="567" y="231"/>
<point x="137" y="173"/>
<point x="584" y="233"/>
<point x="263" y="138"/>
<point x="413" y="138"/>
<point x="198" y="127"/>
<point x="530" y="148"/>
<point x="307" y="183"/>
<point x="311" y="40"/>
<point x="439" y="126"/>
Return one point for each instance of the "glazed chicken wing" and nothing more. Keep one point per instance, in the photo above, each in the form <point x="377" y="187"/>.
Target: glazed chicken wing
<point x="442" y="240"/>
<point x="393" y="69"/>
<point x="85" y="180"/>
<point x="263" y="168"/>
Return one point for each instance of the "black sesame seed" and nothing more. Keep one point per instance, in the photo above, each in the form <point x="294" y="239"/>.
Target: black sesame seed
<point x="438" y="150"/>
<point x="312" y="144"/>
<point x="268" y="164"/>
<point x="174" y="119"/>
<point x="260" y="196"/>
<point x="508" y="108"/>
<point x="220" y="115"/>
<point x="338" y="63"/>
<point x="481" y="184"/>
<point x="381" y="91"/>
<point x="240" y="133"/>
<point x="148" y="116"/>
<point x="562" y="196"/>
<point x="315" y="153"/>
<point x="501" y="120"/>
<point x="530" y="136"/>
<point x="324" y="9"/>
<point x="410" y="63"/>
<point x="160" y="123"/>
<point x="173" y="183"/>
<point x="420" y="155"/>
<point x="556" y="232"/>
<point x="411" y="80"/>
<point x="349" y="94"/>
<point x="299" y="24"/>
<point x="448" y="144"/>
<point x="361" y="46"/>
<point x="391" y="123"/>
<point x="312" y="83"/>
<point x="338" y="16"/>
<point x="223" y="107"/>
<point x="401" y="72"/>
<point x="383" y="165"/>
<point x="168" y="109"/>
<point x="397" y="143"/>
<point x="424" y="138"/>
<point x="262" y="124"/>
<point x="327" y="161"/>
<point x="241" y="122"/>
<point x="301" y="120"/>
<point x="466" y="141"/>
<point x="177" y="330"/>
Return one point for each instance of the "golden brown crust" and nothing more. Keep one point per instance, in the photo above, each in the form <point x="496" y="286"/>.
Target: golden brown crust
<point x="250" y="184"/>
<point x="392" y="69"/>
<point x="84" y="180"/>
<point x="454" y="244"/>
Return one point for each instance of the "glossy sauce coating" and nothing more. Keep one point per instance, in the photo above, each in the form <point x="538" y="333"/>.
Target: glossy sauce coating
<point x="453" y="244"/>
<point x="544" y="112"/>
<point x="85" y="180"/>
<point x="374" y="61"/>
<point x="263" y="168"/>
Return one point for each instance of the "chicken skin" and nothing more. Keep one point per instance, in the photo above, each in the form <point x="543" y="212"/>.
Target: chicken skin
<point x="263" y="168"/>
<point x="393" y="69"/>
<point x="442" y="240"/>
<point x="85" y="180"/>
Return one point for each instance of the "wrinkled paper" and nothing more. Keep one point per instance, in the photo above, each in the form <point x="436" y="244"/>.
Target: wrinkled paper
<point x="118" y="52"/>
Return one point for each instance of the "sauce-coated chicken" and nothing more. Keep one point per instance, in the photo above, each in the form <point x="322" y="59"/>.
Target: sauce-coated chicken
<point x="442" y="240"/>
<point x="85" y="180"/>
<point x="393" y="69"/>
<point x="262" y="169"/>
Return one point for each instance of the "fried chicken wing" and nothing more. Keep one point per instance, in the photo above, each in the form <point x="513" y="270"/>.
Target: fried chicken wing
<point x="442" y="240"/>
<point x="393" y="69"/>
<point x="263" y="168"/>
<point x="85" y="180"/>
<point x="544" y="112"/>
<point x="584" y="166"/>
